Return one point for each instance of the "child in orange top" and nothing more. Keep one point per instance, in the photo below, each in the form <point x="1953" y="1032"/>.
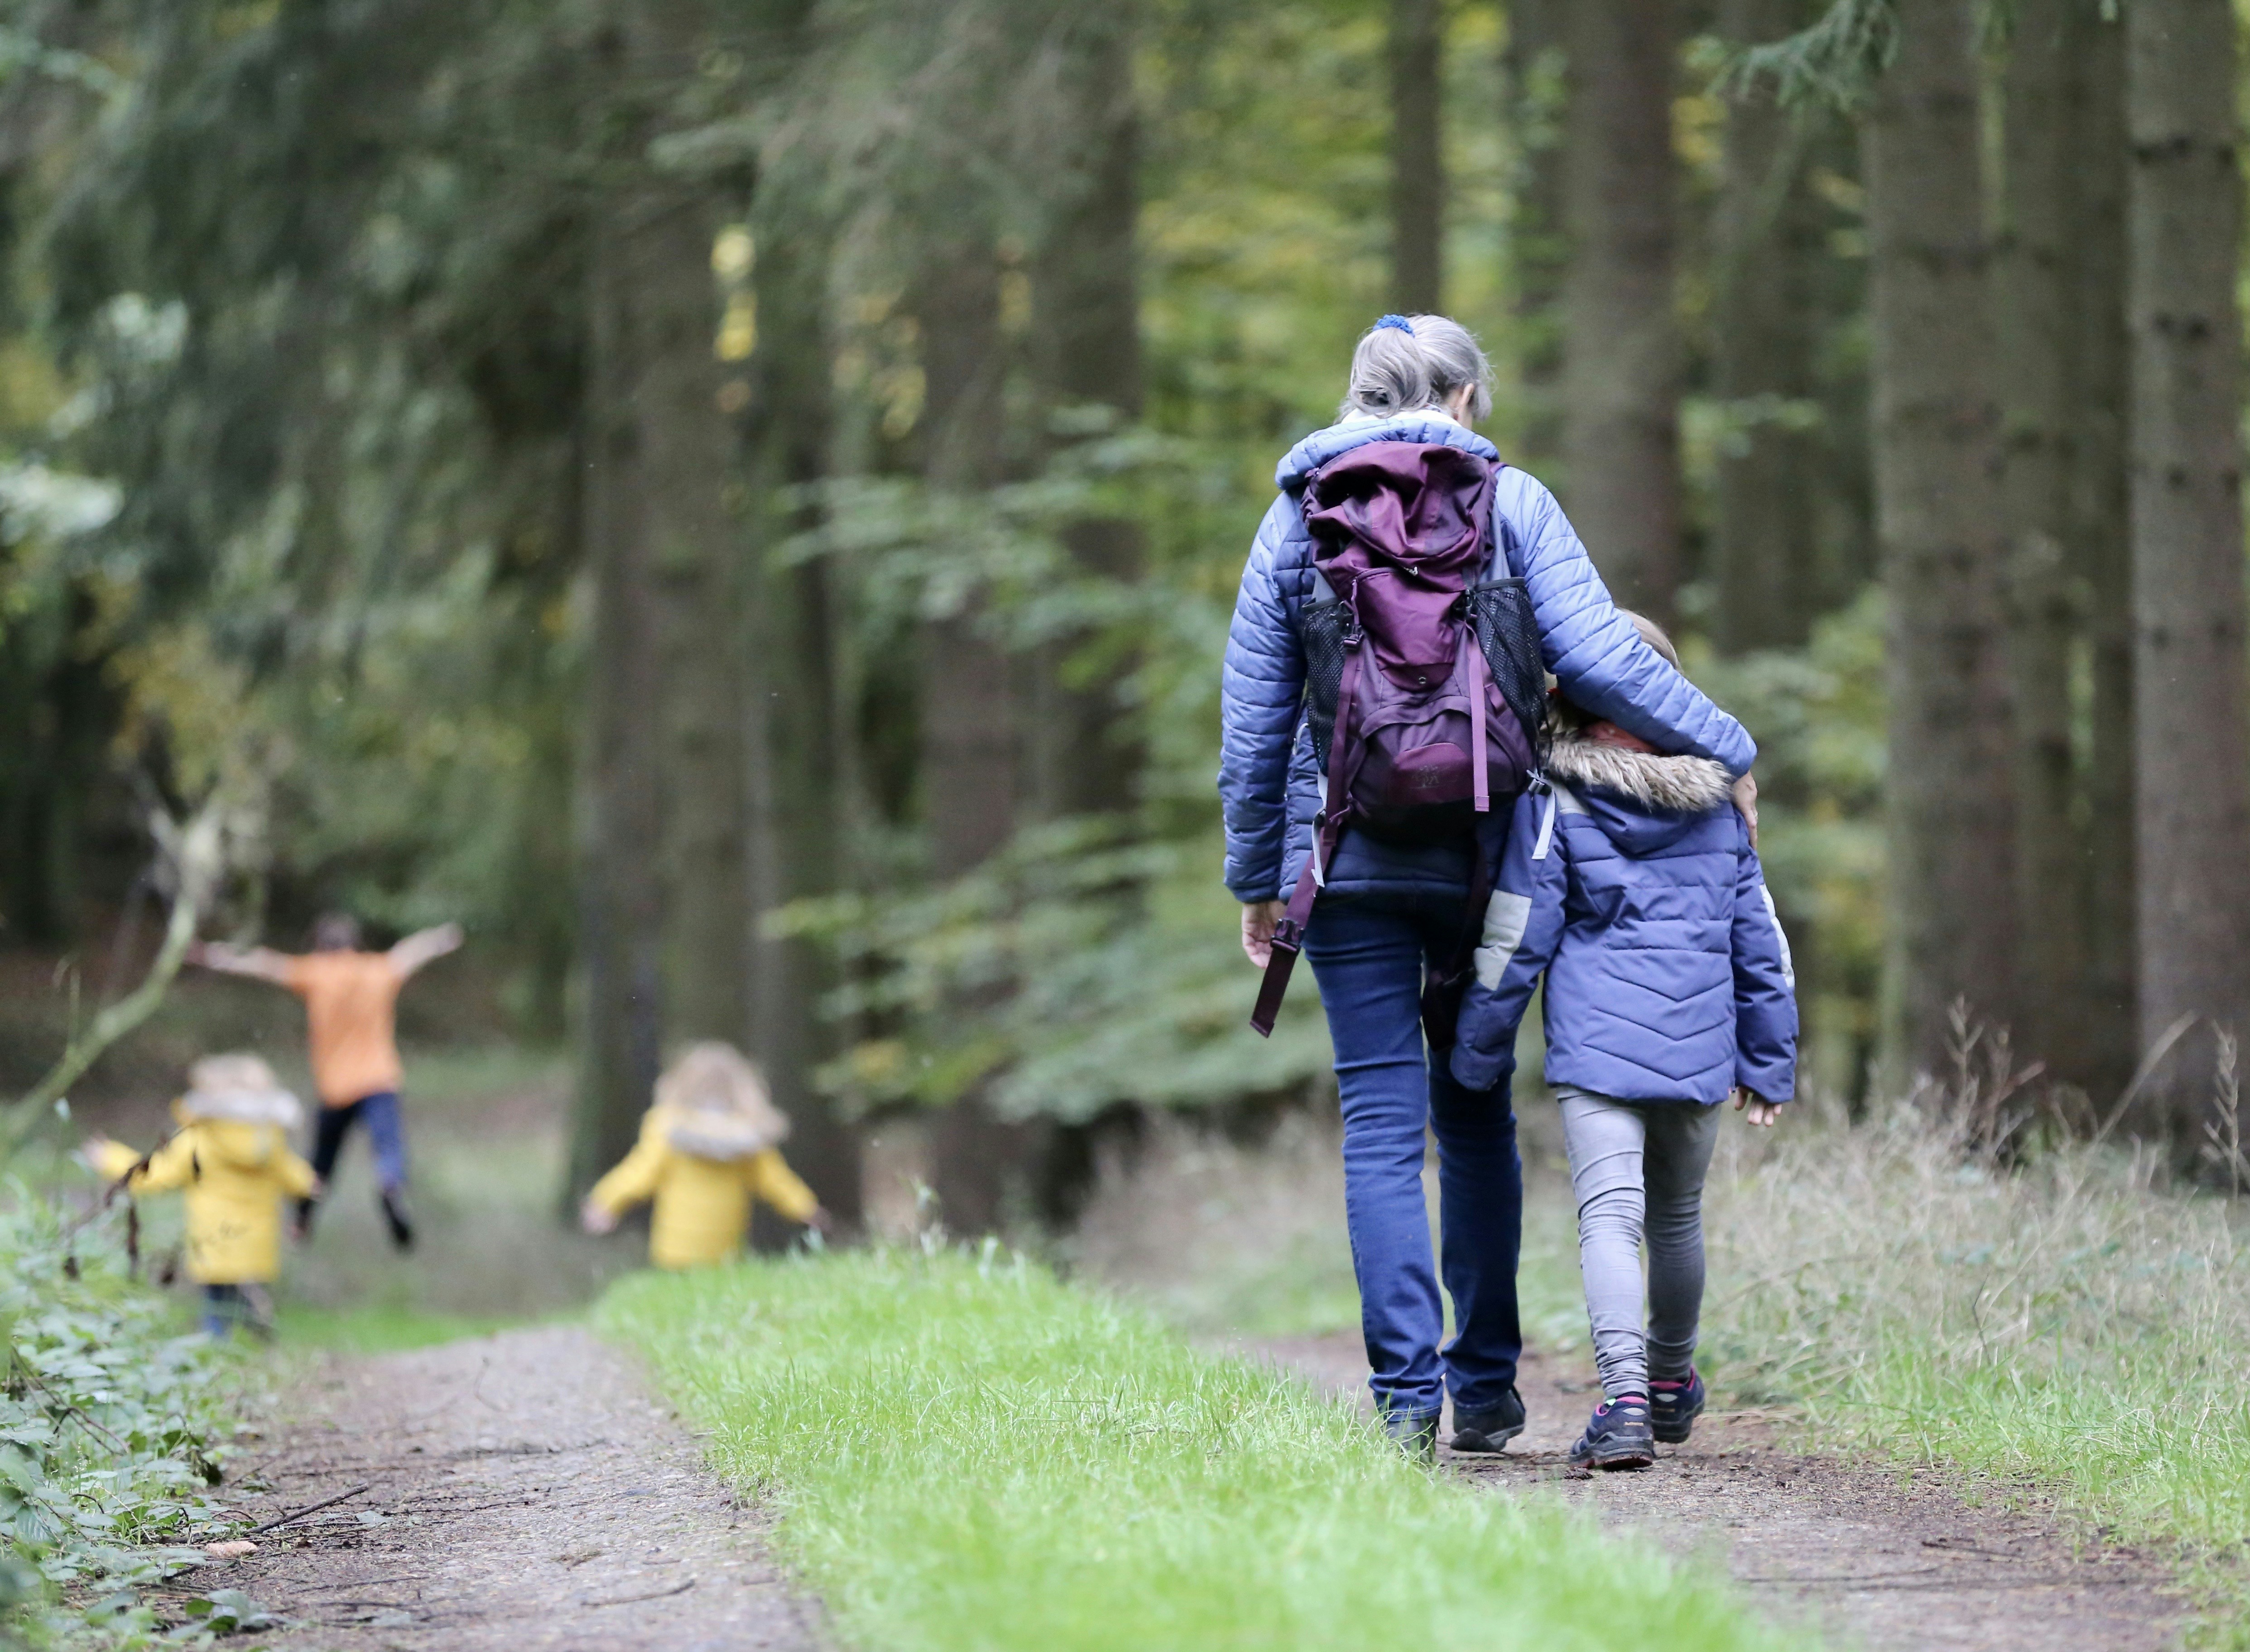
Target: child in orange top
<point x="232" y="1155"/>
<point x="351" y="999"/>
<point x="707" y="1149"/>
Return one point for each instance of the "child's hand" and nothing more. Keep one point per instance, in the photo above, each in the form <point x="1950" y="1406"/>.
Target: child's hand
<point x="1756" y="1110"/>
<point x="821" y="1220"/>
<point x="594" y="1219"/>
<point x="90" y="1150"/>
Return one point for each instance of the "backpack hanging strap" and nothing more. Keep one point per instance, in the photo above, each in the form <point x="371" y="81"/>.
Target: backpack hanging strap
<point x="1473" y="659"/>
<point x="1328" y="832"/>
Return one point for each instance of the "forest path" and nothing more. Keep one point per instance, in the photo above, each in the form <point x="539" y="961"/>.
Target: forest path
<point x="523" y="1490"/>
<point x="1880" y="1558"/>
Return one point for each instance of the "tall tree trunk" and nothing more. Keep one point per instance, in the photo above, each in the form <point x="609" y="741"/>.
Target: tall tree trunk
<point x="1418" y="161"/>
<point x="1536" y="76"/>
<point x="2037" y="297"/>
<point x="2185" y="205"/>
<point x="2102" y="538"/>
<point x="794" y="726"/>
<point x="687" y="460"/>
<point x="1952" y="871"/>
<point x="1086" y="323"/>
<point x="1766" y="548"/>
<point x="1621" y="352"/>
<point x="969" y="772"/>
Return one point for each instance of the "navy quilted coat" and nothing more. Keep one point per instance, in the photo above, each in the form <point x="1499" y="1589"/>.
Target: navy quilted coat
<point x="1267" y="781"/>
<point x="1633" y="887"/>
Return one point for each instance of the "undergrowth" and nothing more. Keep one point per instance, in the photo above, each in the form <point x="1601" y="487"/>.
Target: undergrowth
<point x="972" y="1454"/>
<point x="111" y="1430"/>
<point x="2071" y="1322"/>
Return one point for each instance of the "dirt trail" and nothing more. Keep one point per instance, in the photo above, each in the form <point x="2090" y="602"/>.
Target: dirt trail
<point x="523" y="1490"/>
<point x="1884" y="1558"/>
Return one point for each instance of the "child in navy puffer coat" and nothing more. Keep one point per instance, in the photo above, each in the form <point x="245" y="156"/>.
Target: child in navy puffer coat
<point x="1633" y="886"/>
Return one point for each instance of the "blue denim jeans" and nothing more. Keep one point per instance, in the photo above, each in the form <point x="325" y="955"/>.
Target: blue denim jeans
<point x="1368" y="953"/>
<point x="385" y="1132"/>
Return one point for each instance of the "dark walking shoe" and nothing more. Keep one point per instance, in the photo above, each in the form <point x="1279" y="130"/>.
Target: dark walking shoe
<point x="394" y="1212"/>
<point x="1616" y="1437"/>
<point x="1491" y="1428"/>
<point x="1414" y="1432"/>
<point x="1674" y="1407"/>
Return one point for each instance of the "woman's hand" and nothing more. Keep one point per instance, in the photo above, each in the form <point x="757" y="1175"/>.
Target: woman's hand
<point x="1756" y="1110"/>
<point x="1746" y="804"/>
<point x="1259" y="919"/>
<point x="594" y="1219"/>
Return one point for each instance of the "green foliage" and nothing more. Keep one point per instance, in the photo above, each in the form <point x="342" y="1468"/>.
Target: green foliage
<point x="111" y="1430"/>
<point x="1080" y="969"/>
<point x="1836" y="61"/>
<point x="966" y="1454"/>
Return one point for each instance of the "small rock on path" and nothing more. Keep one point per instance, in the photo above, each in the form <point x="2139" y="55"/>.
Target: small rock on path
<point x="524" y="1491"/>
<point x="1878" y="1559"/>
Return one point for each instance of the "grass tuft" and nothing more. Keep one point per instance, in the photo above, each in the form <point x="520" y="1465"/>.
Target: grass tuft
<point x="976" y="1456"/>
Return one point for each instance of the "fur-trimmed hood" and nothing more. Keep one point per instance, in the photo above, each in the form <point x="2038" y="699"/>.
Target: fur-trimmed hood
<point x="713" y="1104"/>
<point x="237" y="1089"/>
<point x="1675" y="785"/>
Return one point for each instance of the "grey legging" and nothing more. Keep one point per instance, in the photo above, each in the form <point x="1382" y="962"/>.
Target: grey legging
<point x="1636" y="1167"/>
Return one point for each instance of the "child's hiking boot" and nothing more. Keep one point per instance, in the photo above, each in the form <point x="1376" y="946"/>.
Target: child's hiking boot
<point x="1616" y="1437"/>
<point x="1674" y="1407"/>
<point x="1491" y="1428"/>
<point x="394" y="1212"/>
<point x="1415" y="1433"/>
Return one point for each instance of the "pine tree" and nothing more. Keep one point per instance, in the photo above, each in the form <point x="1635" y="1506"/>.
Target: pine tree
<point x="2037" y="302"/>
<point x="2193" y="737"/>
<point x="1951" y="867"/>
<point x="1418" y="170"/>
<point x="1766" y="548"/>
<point x="1535" y="75"/>
<point x="1622" y="356"/>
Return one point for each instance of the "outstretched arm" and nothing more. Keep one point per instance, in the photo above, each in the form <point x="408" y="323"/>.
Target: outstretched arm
<point x="258" y="963"/>
<point x="423" y="946"/>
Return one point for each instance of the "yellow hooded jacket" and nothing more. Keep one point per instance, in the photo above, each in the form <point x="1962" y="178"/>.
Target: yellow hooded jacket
<point x="703" y="1204"/>
<point x="236" y="1175"/>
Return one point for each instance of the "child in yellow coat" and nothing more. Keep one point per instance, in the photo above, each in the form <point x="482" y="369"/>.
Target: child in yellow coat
<point x="707" y="1149"/>
<point x="231" y="1154"/>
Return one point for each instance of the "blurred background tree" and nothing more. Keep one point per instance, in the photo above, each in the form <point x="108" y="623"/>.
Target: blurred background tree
<point x="738" y="500"/>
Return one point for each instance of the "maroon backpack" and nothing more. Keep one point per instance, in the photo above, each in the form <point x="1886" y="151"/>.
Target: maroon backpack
<point x="1423" y="684"/>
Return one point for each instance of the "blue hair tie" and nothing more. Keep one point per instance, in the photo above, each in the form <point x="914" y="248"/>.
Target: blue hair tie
<point x="1398" y="322"/>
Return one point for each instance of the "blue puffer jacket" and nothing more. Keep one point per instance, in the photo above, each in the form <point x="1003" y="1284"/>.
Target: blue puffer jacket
<point x="1634" y="887"/>
<point x="1266" y="778"/>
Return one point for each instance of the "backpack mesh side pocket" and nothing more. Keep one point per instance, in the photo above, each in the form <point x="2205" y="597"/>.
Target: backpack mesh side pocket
<point x="1323" y="626"/>
<point x="1501" y="610"/>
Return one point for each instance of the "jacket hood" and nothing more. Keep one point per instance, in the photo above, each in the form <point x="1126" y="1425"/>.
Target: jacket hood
<point x="1644" y="802"/>
<point x="1427" y="426"/>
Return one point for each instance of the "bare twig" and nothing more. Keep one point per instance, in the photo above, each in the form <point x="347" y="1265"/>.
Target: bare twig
<point x="310" y="1508"/>
<point x="2150" y="1062"/>
<point x="192" y="855"/>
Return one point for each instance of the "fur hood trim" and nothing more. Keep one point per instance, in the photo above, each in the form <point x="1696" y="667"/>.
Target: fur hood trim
<point x="701" y="1133"/>
<point x="243" y="1107"/>
<point x="1676" y="785"/>
<point x="715" y="1104"/>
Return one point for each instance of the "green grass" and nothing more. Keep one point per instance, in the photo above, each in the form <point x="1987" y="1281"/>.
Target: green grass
<point x="2072" y="1328"/>
<point x="970" y="1456"/>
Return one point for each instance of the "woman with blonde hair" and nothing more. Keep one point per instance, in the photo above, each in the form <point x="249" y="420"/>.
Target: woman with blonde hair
<point x="1400" y="513"/>
<point x="709" y="1148"/>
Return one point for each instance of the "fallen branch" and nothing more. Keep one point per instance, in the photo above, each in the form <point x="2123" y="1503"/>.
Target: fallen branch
<point x="311" y="1508"/>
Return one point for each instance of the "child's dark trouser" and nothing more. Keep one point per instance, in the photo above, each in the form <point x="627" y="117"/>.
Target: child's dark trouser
<point x="1638" y="1169"/>
<point x="1368" y="955"/>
